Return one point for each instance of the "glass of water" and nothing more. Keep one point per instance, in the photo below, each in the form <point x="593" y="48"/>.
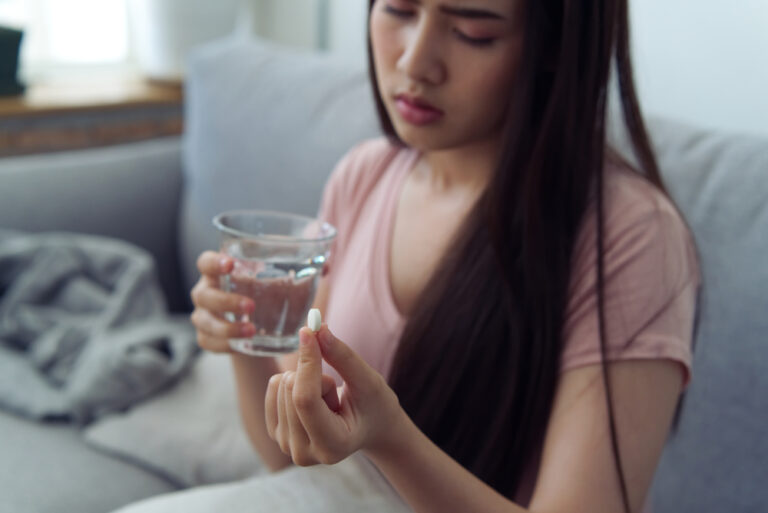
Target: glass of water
<point x="278" y="260"/>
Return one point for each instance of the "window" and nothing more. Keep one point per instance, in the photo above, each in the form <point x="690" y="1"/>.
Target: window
<point x="62" y="37"/>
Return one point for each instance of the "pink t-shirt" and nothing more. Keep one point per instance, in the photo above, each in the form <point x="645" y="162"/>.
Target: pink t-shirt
<point x="651" y="271"/>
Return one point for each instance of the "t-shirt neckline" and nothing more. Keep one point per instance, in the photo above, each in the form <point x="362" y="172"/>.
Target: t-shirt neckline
<point x="391" y="213"/>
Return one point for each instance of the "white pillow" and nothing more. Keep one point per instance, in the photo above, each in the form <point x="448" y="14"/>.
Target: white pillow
<point x="192" y="433"/>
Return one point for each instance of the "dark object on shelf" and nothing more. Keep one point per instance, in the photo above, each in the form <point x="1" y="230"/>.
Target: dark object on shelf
<point x="10" y="42"/>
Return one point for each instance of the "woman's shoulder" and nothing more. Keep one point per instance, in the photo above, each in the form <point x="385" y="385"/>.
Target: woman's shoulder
<point x="651" y="274"/>
<point x="631" y="196"/>
<point x="631" y="200"/>
<point x="356" y="176"/>
<point x="639" y="217"/>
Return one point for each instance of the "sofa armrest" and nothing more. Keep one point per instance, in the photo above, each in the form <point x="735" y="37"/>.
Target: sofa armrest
<point x="130" y="192"/>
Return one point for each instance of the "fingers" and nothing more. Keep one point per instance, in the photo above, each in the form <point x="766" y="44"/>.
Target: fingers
<point x="297" y="435"/>
<point x="309" y="369"/>
<point x="353" y="369"/>
<point x="283" y="423"/>
<point x="211" y="304"/>
<point x="207" y="294"/>
<point x="320" y="423"/>
<point x="309" y="381"/>
<point x="213" y="333"/>
<point x="212" y="344"/>
<point x="211" y="263"/>
<point x="281" y="432"/>
<point x="209" y="297"/>
<point x="270" y="405"/>
<point x="330" y="394"/>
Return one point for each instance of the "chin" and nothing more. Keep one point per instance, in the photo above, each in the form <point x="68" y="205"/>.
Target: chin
<point x="438" y="137"/>
<point x="428" y="138"/>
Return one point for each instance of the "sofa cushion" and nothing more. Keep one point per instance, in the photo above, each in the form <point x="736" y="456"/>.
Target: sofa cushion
<point x="192" y="433"/>
<point x="46" y="468"/>
<point x="265" y="126"/>
<point x="714" y="459"/>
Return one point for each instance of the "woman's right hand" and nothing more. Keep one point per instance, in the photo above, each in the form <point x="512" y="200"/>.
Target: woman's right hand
<point x="211" y="303"/>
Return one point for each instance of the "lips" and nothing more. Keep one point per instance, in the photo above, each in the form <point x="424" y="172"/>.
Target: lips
<point x="416" y="110"/>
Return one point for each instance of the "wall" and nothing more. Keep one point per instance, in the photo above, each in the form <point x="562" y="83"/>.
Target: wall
<point x="704" y="61"/>
<point x="335" y="25"/>
<point x="291" y="22"/>
<point x="700" y="61"/>
<point x="347" y="29"/>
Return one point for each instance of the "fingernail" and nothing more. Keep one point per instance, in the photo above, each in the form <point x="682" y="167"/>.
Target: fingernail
<point x="304" y="337"/>
<point x="224" y="263"/>
<point x="246" y="306"/>
<point x="247" y="330"/>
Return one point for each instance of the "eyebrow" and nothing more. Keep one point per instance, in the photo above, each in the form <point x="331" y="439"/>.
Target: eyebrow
<point x="466" y="12"/>
<point x="475" y="14"/>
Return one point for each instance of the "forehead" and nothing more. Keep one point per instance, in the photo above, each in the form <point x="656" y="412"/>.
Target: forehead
<point x="470" y="8"/>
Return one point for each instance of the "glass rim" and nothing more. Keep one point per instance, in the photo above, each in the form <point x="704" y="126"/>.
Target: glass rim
<point x="277" y="239"/>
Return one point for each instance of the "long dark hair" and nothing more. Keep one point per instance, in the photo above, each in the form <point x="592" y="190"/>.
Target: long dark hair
<point x="477" y="363"/>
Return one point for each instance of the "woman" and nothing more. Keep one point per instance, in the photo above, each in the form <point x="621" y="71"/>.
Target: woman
<point x="512" y="305"/>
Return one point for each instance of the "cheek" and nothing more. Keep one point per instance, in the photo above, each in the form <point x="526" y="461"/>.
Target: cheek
<point x="499" y="86"/>
<point x="493" y="86"/>
<point x="383" y="40"/>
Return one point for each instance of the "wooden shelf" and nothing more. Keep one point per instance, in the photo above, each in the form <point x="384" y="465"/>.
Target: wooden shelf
<point x="81" y="113"/>
<point x="78" y="95"/>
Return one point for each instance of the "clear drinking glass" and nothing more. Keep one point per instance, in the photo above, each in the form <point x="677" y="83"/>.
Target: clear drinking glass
<point x="278" y="260"/>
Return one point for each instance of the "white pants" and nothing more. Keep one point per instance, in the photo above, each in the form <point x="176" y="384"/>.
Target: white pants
<point x="352" y="486"/>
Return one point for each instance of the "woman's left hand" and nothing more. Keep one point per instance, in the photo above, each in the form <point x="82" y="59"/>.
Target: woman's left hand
<point x="311" y="423"/>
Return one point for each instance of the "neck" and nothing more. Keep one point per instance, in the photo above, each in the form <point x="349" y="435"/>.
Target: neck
<point x="462" y="169"/>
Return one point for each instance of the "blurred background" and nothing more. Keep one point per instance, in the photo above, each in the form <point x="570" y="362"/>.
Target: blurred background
<point x="104" y="134"/>
<point x="63" y="37"/>
<point x="698" y="61"/>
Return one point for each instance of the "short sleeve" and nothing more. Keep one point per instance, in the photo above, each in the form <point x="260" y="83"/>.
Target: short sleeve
<point x="651" y="284"/>
<point x="330" y="208"/>
<point x="346" y="190"/>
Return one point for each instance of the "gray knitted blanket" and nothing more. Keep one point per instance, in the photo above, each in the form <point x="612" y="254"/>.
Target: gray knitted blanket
<point x="84" y="328"/>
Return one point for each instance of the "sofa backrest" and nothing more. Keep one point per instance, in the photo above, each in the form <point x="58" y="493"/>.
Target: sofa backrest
<point x="265" y="127"/>
<point x="717" y="459"/>
<point x="126" y="191"/>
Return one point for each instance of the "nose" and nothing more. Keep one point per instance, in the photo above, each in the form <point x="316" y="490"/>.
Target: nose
<point x="421" y="59"/>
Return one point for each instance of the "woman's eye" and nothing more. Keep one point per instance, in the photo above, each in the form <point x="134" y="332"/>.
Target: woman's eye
<point x="397" y="12"/>
<point x="475" y="41"/>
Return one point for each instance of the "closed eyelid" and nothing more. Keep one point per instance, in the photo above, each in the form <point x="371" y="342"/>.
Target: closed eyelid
<point x="475" y="41"/>
<point x="478" y="27"/>
<point x="474" y="31"/>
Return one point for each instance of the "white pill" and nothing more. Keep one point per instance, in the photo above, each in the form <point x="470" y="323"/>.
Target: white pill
<point x="314" y="320"/>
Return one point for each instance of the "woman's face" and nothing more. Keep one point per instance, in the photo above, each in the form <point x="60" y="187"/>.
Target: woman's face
<point x="445" y="68"/>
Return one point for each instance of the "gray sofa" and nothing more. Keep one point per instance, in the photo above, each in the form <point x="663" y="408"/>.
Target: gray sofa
<point x="265" y="126"/>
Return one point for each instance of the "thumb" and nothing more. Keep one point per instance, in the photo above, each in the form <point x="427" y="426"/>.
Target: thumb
<point x="353" y="369"/>
<point x="310" y="364"/>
